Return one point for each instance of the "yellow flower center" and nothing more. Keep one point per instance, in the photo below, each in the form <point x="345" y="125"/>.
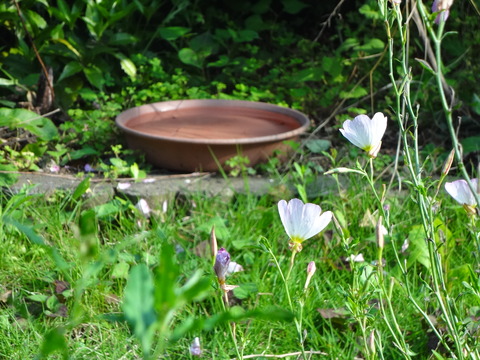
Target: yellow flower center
<point x="295" y="244"/>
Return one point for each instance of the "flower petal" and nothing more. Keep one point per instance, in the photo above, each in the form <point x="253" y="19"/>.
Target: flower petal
<point x="302" y="221"/>
<point x="366" y="133"/>
<point x="379" y="126"/>
<point x="320" y="223"/>
<point x="460" y="191"/>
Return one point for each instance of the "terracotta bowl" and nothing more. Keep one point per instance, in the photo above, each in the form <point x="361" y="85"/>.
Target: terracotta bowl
<point x="187" y="135"/>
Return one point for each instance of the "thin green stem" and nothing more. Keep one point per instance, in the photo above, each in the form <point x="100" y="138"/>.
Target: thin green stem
<point x="437" y="42"/>
<point x="402" y="94"/>
<point x="225" y="305"/>
<point x="292" y="261"/>
<point x="298" y="321"/>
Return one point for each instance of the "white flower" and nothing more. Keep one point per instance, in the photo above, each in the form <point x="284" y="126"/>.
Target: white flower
<point x="302" y="221"/>
<point x="233" y="267"/>
<point x="195" y="348"/>
<point x="142" y="205"/>
<point x="461" y="192"/>
<point x="54" y="168"/>
<point x="356" y="258"/>
<point x="123" y="185"/>
<point x="366" y="133"/>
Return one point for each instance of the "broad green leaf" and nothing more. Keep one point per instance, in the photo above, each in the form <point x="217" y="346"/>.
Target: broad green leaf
<point x="122" y="39"/>
<point x="110" y="208"/>
<point x="120" y="270"/>
<point x="459" y="275"/>
<point x="35" y="18"/>
<point x="88" y="223"/>
<point x="221" y="230"/>
<point x="470" y="144"/>
<point x="81" y="188"/>
<point x="166" y="276"/>
<point x="127" y="65"/>
<point x="476" y="104"/>
<point x="189" y="57"/>
<point x="191" y="324"/>
<point x="332" y="66"/>
<point x="310" y="74"/>
<point x="86" y="151"/>
<point x="245" y="290"/>
<point x="260" y="6"/>
<point x="418" y="247"/>
<point x="138" y="305"/>
<point x="94" y="76"/>
<point x="318" y="145"/>
<point x="41" y="298"/>
<point x="65" y="10"/>
<point x="72" y="68"/>
<point x="54" y="341"/>
<point x="372" y="46"/>
<point x="241" y="243"/>
<point x="42" y="127"/>
<point x="370" y="13"/>
<point x="196" y="288"/>
<point x="245" y="36"/>
<point x="172" y="32"/>
<point x="293" y="6"/>
<point x="354" y="93"/>
<point x="25" y="229"/>
<point x="7" y="179"/>
<point x="222" y="61"/>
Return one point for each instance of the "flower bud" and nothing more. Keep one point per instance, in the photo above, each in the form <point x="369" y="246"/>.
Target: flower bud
<point x="222" y="260"/>
<point x="448" y="163"/>
<point x="311" y="268"/>
<point x="371" y="342"/>
<point x="379" y="233"/>
<point x="213" y="243"/>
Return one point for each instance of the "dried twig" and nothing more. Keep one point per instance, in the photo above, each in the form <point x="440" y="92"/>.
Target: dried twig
<point x="329" y="19"/>
<point x="37" y="54"/>
<point x="281" y="356"/>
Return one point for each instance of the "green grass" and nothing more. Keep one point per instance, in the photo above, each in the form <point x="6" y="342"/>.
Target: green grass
<point x="93" y="252"/>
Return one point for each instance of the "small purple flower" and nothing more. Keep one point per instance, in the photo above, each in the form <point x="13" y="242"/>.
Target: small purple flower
<point x="88" y="168"/>
<point x="222" y="261"/>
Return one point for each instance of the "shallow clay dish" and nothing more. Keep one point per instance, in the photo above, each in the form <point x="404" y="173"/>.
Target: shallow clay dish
<point x="182" y="135"/>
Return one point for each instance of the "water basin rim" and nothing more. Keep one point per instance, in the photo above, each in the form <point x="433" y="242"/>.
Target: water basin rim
<point x="166" y="106"/>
